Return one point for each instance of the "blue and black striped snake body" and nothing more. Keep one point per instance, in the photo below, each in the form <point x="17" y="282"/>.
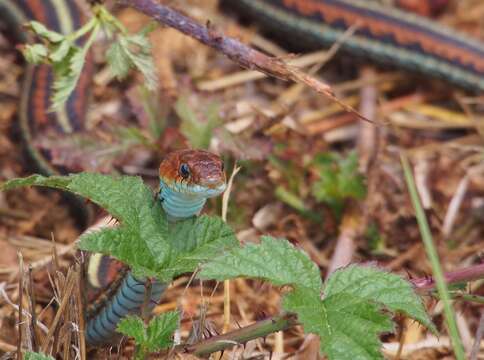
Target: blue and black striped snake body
<point x="126" y="296"/>
<point x="384" y="35"/>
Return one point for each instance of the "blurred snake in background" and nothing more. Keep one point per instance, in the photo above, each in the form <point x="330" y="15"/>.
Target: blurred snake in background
<point x="187" y="178"/>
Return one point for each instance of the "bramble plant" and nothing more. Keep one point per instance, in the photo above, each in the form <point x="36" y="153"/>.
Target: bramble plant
<point x="67" y="53"/>
<point x="339" y="180"/>
<point x="155" y="336"/>
<point x="348" y="312"/>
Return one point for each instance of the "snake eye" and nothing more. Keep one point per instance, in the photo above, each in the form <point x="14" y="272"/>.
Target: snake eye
<point x="184" y="171"/>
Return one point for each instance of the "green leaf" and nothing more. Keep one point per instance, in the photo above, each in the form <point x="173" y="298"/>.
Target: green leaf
<point x="356" y="304"/>
<point x="130" y="51"/>
<point x="373" y="284"/>
<point x="160" y="331"/>
<point x="154" y="337"/>
<point x="35" y="54"/>
<point x="58" y="182"/>
<point x="198" y="132"/>
<point x="274" y="260"/>
<point x="60" y="51"/>
<point x="338" y="180"/>
<point x="37" y="356"/>
<point x="140" y="239"/>
<point x="49" y="35"/>
<point x="138" y="49"/>
<point x="195" y="241"/>
<point x="67" y="73"/>
<point x="350" y="317"/>
<point x="348" y="326"/>
<point x="143" y="239"/>
<point x="133" y="326"/>
<point x="119" y="62"/>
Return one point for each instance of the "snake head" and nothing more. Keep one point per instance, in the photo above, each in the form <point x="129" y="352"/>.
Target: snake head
<point x="193" y="172"/>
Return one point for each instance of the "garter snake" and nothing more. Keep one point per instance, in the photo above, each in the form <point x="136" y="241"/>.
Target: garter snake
<point x="188" y="178"/>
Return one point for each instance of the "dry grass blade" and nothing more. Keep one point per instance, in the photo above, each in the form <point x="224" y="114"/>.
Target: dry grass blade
<point x="67" y="292"/>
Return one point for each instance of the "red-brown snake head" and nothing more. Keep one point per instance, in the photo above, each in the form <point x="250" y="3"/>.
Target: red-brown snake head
<point x="193" y="172"/>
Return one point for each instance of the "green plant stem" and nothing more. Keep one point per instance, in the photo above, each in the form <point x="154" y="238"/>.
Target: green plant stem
<point x="237" y="337"/>
<point x="83" y="30"/>
<point x="140" y="352"/>
<point x="468" y="297"/>
<point x="434" y="260"/>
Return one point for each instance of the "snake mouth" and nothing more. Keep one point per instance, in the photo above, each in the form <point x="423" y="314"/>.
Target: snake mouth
<point x="207" y="189"/>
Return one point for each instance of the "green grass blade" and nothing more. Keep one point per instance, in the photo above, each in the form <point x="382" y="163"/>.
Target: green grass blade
<point x="434" y="260"/>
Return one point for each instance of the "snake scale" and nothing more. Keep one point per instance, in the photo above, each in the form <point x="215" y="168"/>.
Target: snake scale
<point x="188" y="178"/>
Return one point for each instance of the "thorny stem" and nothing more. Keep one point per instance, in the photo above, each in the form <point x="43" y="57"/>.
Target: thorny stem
<point x="283" y="322"/>
<point x="464" y="275"/>
<point x="238" y="337"/>
<point x="238" y="52"/>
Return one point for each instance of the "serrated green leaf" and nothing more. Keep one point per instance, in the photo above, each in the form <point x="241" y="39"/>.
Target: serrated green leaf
<point x="140" y="239"/>
<point x="195" y="241"/>
<point x="143" y="240"/>
<point x="35" y="54"/>
<point x="125" y="245"/>
<point x="37" y="356"/>
<point x="154" y="337"/>
<point x="160" y="331"/>
<point x="198" y="132"/>
<point x="58" y="182"/>
<point x="67" y="73"/>
<point x="373" y="284"/>
<point x="349" y="327"/>
<point x="275" y="260"/>
<point x="119" y="62"/>
<point x="133" y="326"/>
<point x="124" y="197"/>
<point x="45" y="33"/>
<point x="338" y="180"/>
<point x="60" y="51"/>
<point x="138" y="49"/>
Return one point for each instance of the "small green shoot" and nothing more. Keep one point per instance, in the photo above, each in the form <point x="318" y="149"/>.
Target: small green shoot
<point x="376" y="241"/>
<point x="67" y="52"/>
<point x="155" y="336"/>
<point x="294" y="201"/>
<point x="198" y="132"/>
<point x="339" y="180"/>
<point x="37" y="356"/>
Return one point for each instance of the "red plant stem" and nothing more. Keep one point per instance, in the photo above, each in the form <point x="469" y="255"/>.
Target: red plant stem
<point x="458" y="276"/>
